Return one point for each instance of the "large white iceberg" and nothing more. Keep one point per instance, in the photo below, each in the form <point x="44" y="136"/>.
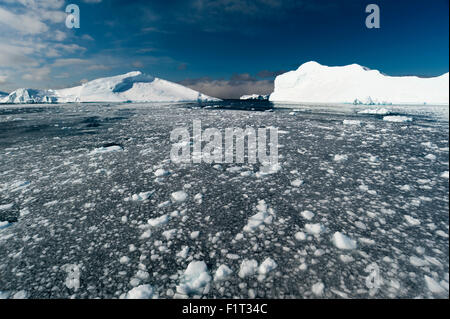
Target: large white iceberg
<point x="130" y="87"/>
<point x="316" y="83"/>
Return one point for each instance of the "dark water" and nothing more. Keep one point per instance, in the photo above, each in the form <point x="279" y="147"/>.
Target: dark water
<point x="65" y="202"/>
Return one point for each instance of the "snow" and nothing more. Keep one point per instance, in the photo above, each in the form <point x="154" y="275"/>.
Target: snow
<point x="341" y="241"/>
<point x="254" y="97"/>
<point x="141" y="292"/>
<point x="129" y="87"/>
<point x="316" y="83"/>
<point x="195" y="280"/>
<point x="397" y="118"/>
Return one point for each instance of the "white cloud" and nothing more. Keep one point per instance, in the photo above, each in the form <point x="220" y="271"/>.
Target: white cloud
<point x="3" y="79"/>
<point x="69" y="62"/>
<point x="38" y="74"/>
<point x="25" y="24"/>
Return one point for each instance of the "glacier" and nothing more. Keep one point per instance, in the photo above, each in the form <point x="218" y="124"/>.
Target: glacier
<point x="316" y="83"/>
<point x="129" y="87"/>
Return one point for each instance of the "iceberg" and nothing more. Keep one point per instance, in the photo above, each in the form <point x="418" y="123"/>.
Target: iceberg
<point x="316" y="83"/>
<point x="130" y="87"/>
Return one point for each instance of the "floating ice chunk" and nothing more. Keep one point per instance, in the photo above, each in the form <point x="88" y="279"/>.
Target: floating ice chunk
<point x="406" y="188"/>
<point x="351" y="122"/>
<point x="6" y="206"/>
<point x="194" y="234"/>
<point x="343" y="242"/>
<point x="142" y="196"/>
<point x="107" y="149"/>
<point x="141" y="292"/>
<point x="124" y="260"/>
<point x="179" y="197"/>
<point x="19" y="185"/>
<point x="158" y="221"/>
<point x="431" y="157"/>
<point x="161" y="172"/>
<point x="300" y="236"/>
<point x="22" y="294"/>
<point x="397" y="118"/>
<point x="168" y="234"/>
<point x="306" y="214"/>
<point x="346" y="258"/>
<point x="267" y="266"/>
<point x="296" y="182"/>
<point x="340" y="158"/>
<point x="445" y="175"/>
<point x="433" y="285"/>
<point x="248" y="268"/>
<point x="146" y="234"/>
<point x="4" y="224"/>
<point x="198" y="198"/>
<point x="268" y="169"/>
<point x="416" y="261"/>
<point x="183" y="253"/>
<point x="314" y="229"/>
<point x="222" y="273"/>
<point x="441" y="233"/>
<point x="377" y="111"/>
<point x="4" y="294"/>
<point x="318" y="288"/>
<point x="412" y="221"/>
<point x="258" y="219"/>
<point x="195" y="280"/>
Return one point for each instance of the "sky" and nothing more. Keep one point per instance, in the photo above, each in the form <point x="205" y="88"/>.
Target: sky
<point x="223" y="48"/>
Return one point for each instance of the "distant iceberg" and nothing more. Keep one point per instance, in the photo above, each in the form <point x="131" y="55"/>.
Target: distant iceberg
<point x="254" y="97"/>
<point x="316" y="83"/>
<point x="130" y="87"/>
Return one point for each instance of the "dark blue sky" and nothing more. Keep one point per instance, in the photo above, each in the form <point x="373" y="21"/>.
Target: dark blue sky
<point x="230" y="47"/>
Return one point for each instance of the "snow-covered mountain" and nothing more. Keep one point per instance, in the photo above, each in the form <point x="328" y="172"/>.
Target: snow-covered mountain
<point x="254" y="97"/>
<point x="130" y="87"/>
<point x="316" y="83"/>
